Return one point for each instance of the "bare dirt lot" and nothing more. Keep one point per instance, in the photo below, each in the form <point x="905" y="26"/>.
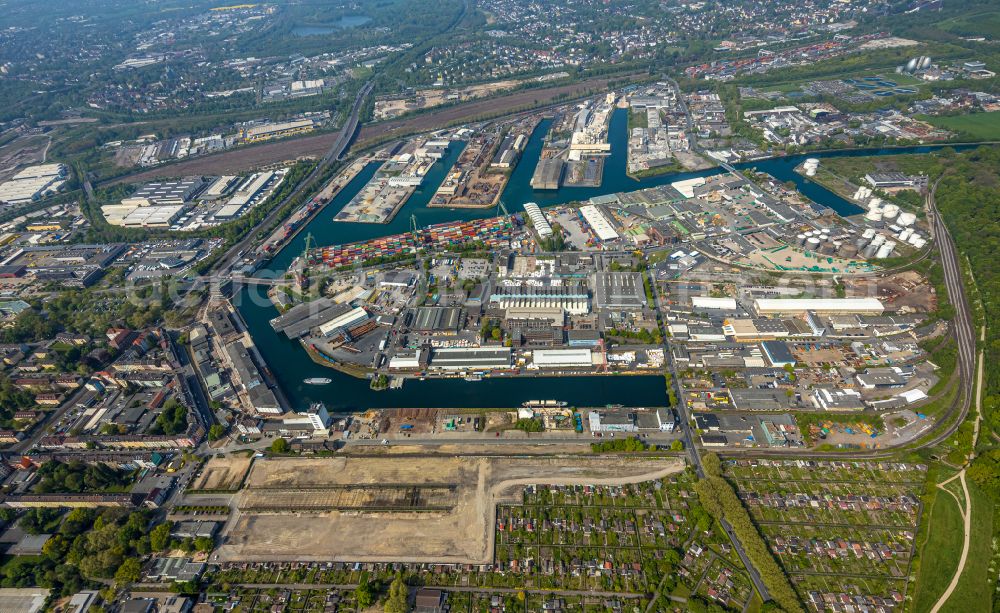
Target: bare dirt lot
<point x="469" y="487"/>
<point x="22" y="151"/>
<point x="223" y="473"/>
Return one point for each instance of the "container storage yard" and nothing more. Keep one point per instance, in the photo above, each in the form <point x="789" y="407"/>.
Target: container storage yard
<point x="493" y="232"/>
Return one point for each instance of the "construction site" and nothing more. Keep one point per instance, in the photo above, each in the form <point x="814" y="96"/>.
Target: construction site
<point x="400" y="509"/>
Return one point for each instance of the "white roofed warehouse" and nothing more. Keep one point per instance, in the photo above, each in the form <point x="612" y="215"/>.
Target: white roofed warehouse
<point x="538" y="220"/>
<point x="797" y="306"/>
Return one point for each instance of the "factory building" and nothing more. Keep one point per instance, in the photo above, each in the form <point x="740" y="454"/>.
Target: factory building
<point x="619" y="290"/>
<point x="632" y="420"/>
<point x="828" y="306"/>
<point x="571" y="299"/>
<point x="837" y="400"/>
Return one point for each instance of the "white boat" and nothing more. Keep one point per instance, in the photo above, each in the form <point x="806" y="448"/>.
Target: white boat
<point x="543" y="404"/>
<point x="317" y="381"/>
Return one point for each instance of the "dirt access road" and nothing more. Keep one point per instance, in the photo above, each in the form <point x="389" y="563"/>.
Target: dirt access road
<point x="462" y="534"/>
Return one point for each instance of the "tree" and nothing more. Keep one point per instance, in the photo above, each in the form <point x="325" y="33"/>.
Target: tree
<point x="280" y="445"/>
<point x="398" y="596"/>
<point x="159" y="537"/>
<point x="677" y="445"/>
<point x="128" y="572"/>
<point x="365" y="594"/>
<point x="216" y="432"/>
<point x="204" y="544"/>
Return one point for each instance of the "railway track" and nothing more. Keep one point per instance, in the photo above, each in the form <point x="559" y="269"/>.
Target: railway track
<point x="961" y="328"/>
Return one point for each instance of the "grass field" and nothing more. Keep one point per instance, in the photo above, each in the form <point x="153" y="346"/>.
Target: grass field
<point x="978" y="126"/>
<point x="939" y="556"/>
<point x="980" y="24"/>
<point x="944" y="547"/>
<point x="975" y="586"/>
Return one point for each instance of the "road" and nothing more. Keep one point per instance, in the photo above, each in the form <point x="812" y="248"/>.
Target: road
<point x="336" y="152"/>
<point x="692" y="450"/>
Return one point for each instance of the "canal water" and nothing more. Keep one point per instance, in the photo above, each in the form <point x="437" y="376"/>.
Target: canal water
<point x="290" y="363"/>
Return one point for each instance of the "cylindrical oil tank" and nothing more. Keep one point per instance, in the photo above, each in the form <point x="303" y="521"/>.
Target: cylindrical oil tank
<point x="914" y="239"/>
<point x="889" y="211"/>
<point x="869" y="251"/>
<point x="800" y="240"/>
<point x="885" y="250"/>
<point x="878" y="240"/>
<point x="905" y="234"/>
<point x="906" y="219"/>
<point x="812" y="243"/>
<point x="874" y="215"/>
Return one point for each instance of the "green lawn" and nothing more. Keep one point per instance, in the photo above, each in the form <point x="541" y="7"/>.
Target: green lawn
<point x="977" y="126"/>
<point x="943" y="549"/>
<point x="975" y="586"/>
<point x="939" y="556"/>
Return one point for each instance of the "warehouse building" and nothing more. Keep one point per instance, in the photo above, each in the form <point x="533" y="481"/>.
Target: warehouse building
<point x="619" y="290"/>
<point x="436" y="319"/>
<point x="778" y="354"/>
<point x="538" y="220"/>
<point x="563" y="358"/>
<point x="33" y="183"/>
<point x="827" y="306"/>
<point x="709" y="302"/>
<point x="548" y="174"/>
<point x="276" y="130"/>
<point x="470" y="358"/>
<point x="343" y="321"/>
<point x="598" y="223"/>
<point x="837" y="400"/>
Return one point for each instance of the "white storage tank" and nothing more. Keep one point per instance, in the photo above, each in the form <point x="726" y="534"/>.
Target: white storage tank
<point x="885" y="250"/>
<point x="874" y="215"/>
<point x="874" y="203"/>
<point x="889" y="211"/>
<point x="906" y="219"/>
<point x="905" y="234"/>
<point x="915" y="238"/>
<point x="878" y="240"/>
<point x="812" y="243"/>
<point x="800" y="239"/>
<point x="868" y="234"/>
<point x="920" y="242"/>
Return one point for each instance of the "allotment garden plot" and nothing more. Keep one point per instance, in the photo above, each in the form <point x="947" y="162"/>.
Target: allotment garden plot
<point x="838" y="528"/>
<point x="619" y="538"/>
